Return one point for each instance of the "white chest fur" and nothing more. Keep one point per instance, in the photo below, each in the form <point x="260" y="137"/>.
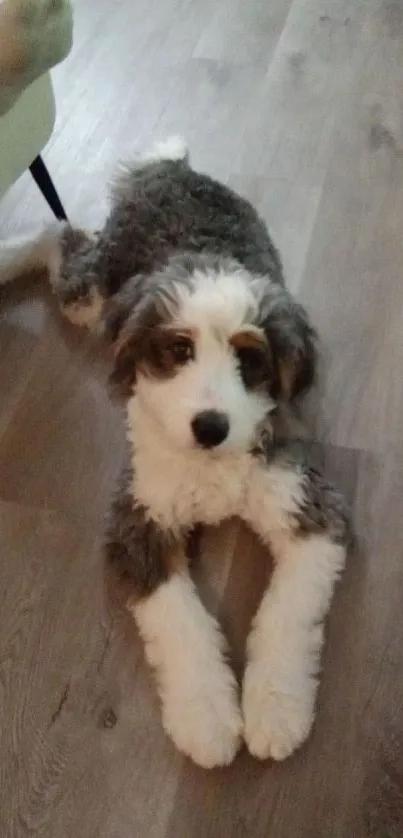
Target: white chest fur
<point x="181" y="489"/>
<point x="184" y="487"/>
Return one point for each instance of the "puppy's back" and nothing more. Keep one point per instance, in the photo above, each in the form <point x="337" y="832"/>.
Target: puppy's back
<point x="160" y="206"/>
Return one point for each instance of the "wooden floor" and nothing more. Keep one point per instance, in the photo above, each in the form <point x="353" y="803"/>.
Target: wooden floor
<point x="299" y="105"/>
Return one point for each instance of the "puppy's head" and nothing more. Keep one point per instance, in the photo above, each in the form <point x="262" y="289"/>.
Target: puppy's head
<point x="210" y="352"/>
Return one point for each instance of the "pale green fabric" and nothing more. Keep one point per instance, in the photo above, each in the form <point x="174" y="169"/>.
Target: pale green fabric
<point x="25" y="130"/>
<point x="34" y="36"/>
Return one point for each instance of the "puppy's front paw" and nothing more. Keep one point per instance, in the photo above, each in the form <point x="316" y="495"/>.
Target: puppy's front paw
<point x="277" y="719"/>
<point x="205" y="722"/>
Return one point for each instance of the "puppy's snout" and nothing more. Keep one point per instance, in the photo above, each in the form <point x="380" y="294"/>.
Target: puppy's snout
<point x="210" y="428"/>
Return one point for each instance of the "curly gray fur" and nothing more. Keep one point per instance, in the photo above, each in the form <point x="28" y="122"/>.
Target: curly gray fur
<point x="166" y="224"/>
<point x="166" y="208"/>
<point x="323" y="508"/>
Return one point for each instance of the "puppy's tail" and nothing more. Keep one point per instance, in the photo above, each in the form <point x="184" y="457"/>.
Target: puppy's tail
<point x="172" y="149"/>
<point x="36" y="255"/>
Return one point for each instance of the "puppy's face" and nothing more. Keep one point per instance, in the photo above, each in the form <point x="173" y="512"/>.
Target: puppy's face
<point x="198" y="358"/>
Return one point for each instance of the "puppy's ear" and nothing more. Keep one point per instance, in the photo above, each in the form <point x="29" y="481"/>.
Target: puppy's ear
<point x="121" y="330"/>
<point x="134" y="329"/>
<point x="297" y="365"/>
<point x="125" y="360"/>
<point x="121" y="306"/>
<point x="293" y="343"/>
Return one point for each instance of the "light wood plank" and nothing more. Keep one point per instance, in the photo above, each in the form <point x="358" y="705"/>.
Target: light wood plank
<point x="296" y="103"/>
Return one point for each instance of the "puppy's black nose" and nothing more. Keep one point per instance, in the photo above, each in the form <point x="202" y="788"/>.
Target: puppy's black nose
<point x="210" y="428"/>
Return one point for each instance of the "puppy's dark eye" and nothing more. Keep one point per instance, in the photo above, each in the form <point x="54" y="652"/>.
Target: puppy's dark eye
<point x="181" y="350"/>
<point x="249" y="357"/>
<point x="253" y="365"/>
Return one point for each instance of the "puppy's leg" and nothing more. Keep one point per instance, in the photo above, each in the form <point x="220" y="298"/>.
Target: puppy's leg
<point x="76" y="280"/>
<point x="184" y="645"/>
<point x="183" y="642"/>
<point x="284" y="646"/>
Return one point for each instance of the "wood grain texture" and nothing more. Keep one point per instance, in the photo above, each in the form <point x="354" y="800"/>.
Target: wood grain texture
<point x="296" y="103"/>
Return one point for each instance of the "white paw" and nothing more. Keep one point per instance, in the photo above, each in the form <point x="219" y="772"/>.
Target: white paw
<point x="205" y="724"/>
<point x="276" y="722"/>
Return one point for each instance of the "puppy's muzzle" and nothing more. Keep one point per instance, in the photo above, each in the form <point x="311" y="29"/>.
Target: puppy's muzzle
<point x="210" y="428"/>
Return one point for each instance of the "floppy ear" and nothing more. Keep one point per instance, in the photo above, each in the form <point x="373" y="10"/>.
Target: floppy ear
<point x="122" y="306"/>
<point x="134" y="327"/>
<point x="122" y="332"/>
<point x="125" y="360"/>
<point x="293" y="343"/>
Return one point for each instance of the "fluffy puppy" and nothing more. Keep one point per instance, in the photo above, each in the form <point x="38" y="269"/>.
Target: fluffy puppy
<point x="208" y="344"/>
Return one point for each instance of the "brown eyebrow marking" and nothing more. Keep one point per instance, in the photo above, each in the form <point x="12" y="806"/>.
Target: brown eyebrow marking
<point x="177" y="332"/>
<point x="249" y="339"/>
